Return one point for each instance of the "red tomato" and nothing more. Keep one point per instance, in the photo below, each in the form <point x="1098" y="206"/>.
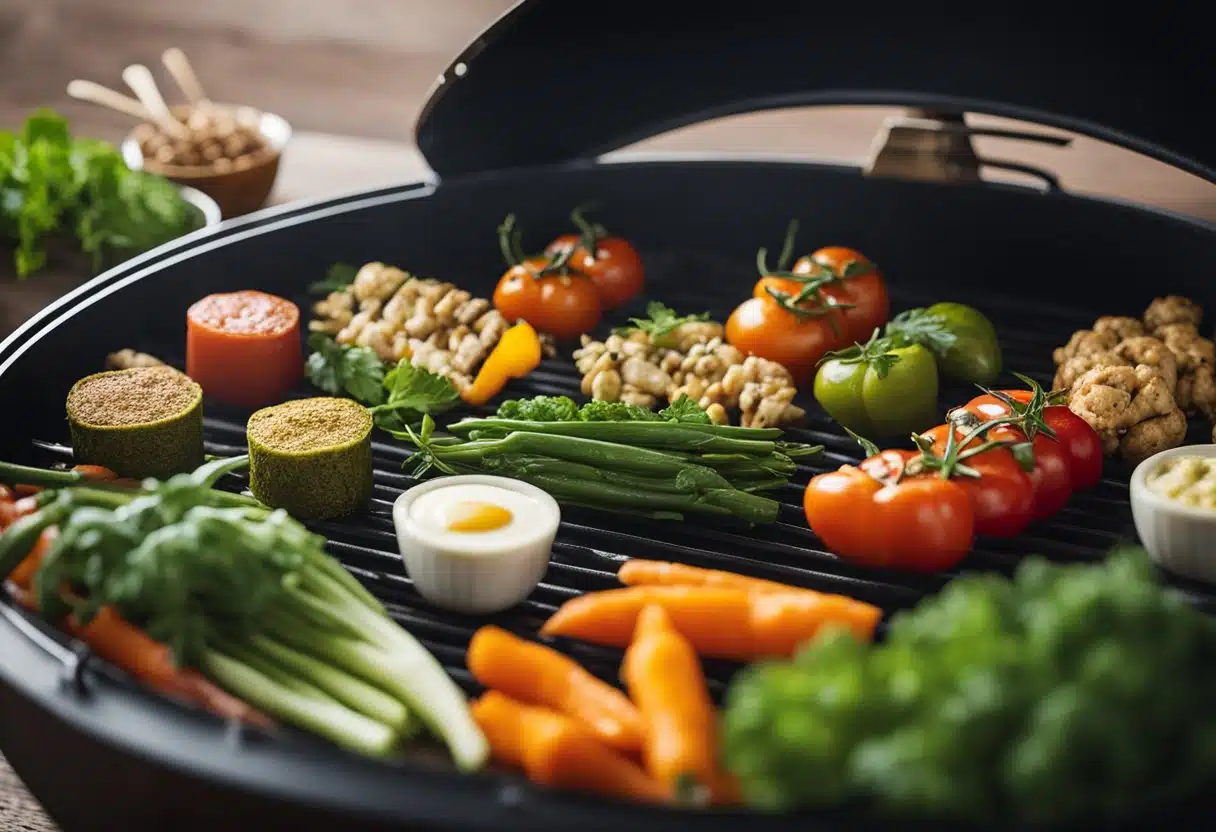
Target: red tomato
<point x="922" y="523"/>
<point x="564" y="305"/>
<point x="1002" y="496"/>
<point x="615" y="268"/>
<point x="1051" y="477"/>
<point x="860" y="285"/>
<point x="763" y="327"/>
<point x="1078" y="441"/>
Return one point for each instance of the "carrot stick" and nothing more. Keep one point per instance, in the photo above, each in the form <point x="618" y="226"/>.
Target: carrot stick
<point x="638" y="572"/>
<point x="128" y="647"/>
<point x="664" y="677"/>
<point x="723" y="623"/>
<point x="538" y="675"/>
<point x="23" y="575"/>
<point x="556" y="751"/>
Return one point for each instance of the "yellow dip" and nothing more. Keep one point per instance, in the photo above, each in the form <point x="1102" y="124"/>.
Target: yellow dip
<point x="1190" y="480"/>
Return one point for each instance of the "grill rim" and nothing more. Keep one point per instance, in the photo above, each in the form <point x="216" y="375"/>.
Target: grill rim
<point x="583" y="807"/>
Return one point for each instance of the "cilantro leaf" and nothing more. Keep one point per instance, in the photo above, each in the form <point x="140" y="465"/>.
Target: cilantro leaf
<point x="920" y="326"/>
<point x="340" y="276"/>
<point x="685" y="409"/>
<point x="661" y="320"/>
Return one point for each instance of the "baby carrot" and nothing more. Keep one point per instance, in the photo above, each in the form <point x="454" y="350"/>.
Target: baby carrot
<point x="538" y="675"/>
<point x="556" y="751"/>
<point x="664" y="678"/>
<point x="638" y="572"/>
<point x="723" y="623"/>
<point x="23" y="575"/>
<point x="128" y="647"/>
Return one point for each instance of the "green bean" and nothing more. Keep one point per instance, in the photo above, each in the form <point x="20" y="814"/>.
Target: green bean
<point x="724" y="431"/>
<point x="654" y="435"/>
<point x="593" y="452"/>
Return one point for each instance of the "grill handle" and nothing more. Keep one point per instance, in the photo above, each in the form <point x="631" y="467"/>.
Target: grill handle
<point x="931" y="146"/>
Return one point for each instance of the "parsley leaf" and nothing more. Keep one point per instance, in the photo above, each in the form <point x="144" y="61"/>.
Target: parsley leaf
<point x="661" y="320"/>
<point x="540" y="409"/>
<point x="920" y="326"/>
<point x="52" y="185"/>
<point x="344" y="370"/>
<point x="413" y="392"/>
<point x="685" y="409"/>
<point x="340" y="276"/>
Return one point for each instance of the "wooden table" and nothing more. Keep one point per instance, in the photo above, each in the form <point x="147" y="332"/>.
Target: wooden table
<point x="317" y="165"/>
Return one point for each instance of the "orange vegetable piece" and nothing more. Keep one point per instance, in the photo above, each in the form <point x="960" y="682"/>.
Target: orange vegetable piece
<point x="23" y="575"/>
<point x="539" y="675"/>
<point x="128" y="647"/>
<point x="557" y="751"/>
<point x="243" y="348"/>
<point x="637" y="572"/>
<point x="516" y="354"/>
<point x="664" y="677"/>
<point x="719" y="622"/>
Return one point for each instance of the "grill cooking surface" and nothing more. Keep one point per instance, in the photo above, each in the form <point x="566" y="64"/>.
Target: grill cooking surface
<point x="591" y="546"/>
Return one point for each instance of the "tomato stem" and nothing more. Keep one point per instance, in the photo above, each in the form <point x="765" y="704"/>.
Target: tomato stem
<point x="590" y="233"/>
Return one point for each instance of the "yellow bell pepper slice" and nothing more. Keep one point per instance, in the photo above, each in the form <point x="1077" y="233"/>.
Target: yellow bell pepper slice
<point x="516" y="354"/>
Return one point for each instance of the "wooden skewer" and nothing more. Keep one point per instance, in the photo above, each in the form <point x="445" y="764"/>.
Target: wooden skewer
<point x="179" y="67"/>
<point x="139" y="79"/>
<point x="106" y="97"/>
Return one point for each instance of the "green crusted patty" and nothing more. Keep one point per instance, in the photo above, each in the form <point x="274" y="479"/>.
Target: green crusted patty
<point x="312" y="457"/>
<point x="141" y="422"/>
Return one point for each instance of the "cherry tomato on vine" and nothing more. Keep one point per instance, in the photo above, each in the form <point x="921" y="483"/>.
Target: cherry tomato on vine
<point x="1079" y="442"/>
<point x="859" y="286"/>
<point x="796" y="339"/>
<point x="610" y="261"/>
<point x="884" y="514"/>
<point x="545" y="291"/>
<point x="1002" y="495"/>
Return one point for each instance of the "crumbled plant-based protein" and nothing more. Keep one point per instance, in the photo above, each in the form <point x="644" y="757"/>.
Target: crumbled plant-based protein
<point x="140" y="422"/>
<point x="311" y="457"/>
<point x="1172" y="309"/>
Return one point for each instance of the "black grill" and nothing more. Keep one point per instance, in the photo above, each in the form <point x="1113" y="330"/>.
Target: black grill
<point x="591" y="546"/>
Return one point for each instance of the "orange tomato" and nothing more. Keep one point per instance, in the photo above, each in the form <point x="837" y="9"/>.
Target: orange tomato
<point x="762" y="326"/>
<point x="563" y="305"/>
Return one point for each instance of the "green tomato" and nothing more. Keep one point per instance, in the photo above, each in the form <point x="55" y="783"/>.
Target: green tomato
<point x="975" y="355"/>
<point x="877" y="391"/>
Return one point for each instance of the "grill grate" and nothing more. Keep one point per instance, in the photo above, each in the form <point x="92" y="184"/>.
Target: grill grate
<point x="591" y="546"/>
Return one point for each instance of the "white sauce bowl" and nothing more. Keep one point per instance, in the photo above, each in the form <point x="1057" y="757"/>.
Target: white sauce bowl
<point x="467" y="571"/>
<point x="1180" y="538"/>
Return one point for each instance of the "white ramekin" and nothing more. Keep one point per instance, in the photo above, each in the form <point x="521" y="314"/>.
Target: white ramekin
<point x="1180" y="538"/>
<point x="480" y="583"/>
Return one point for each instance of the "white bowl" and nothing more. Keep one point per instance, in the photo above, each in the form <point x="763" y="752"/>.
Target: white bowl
<point x="1180" y="538"/>
<point x="474" y="579"/>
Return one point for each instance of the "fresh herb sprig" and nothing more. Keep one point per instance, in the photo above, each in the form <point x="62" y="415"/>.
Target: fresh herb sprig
<point x="660" y="321"/>
<point x="54" y="186"/>
<point x="338" y="278"/>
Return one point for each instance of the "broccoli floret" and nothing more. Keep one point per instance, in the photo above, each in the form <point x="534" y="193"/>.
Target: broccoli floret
<point x="540" y="409"/>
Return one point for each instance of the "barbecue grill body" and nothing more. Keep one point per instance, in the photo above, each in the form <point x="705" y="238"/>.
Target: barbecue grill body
<point x="101" y="753"/>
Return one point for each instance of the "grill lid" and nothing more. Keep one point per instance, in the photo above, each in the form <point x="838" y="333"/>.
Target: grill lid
<point x="554" y="81"/>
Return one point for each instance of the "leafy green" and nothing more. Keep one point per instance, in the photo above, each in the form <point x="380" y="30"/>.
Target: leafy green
<point x="921" y="326"/>
<point x="540" y="409"/>
<point x="564" y="409"/>
<point x="396" y="397"/>
<point x="340" y="276"/>
<point x="1073" y="692"/>
<point x="411" y="393"/>
<point x="660" y="321"/>
<point x="340" y="369"/>
<point x="53" y="186"/>
<point x="685" y="409"/>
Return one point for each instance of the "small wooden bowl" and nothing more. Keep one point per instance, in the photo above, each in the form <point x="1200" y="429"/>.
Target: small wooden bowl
<point x="237" y="192"/>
